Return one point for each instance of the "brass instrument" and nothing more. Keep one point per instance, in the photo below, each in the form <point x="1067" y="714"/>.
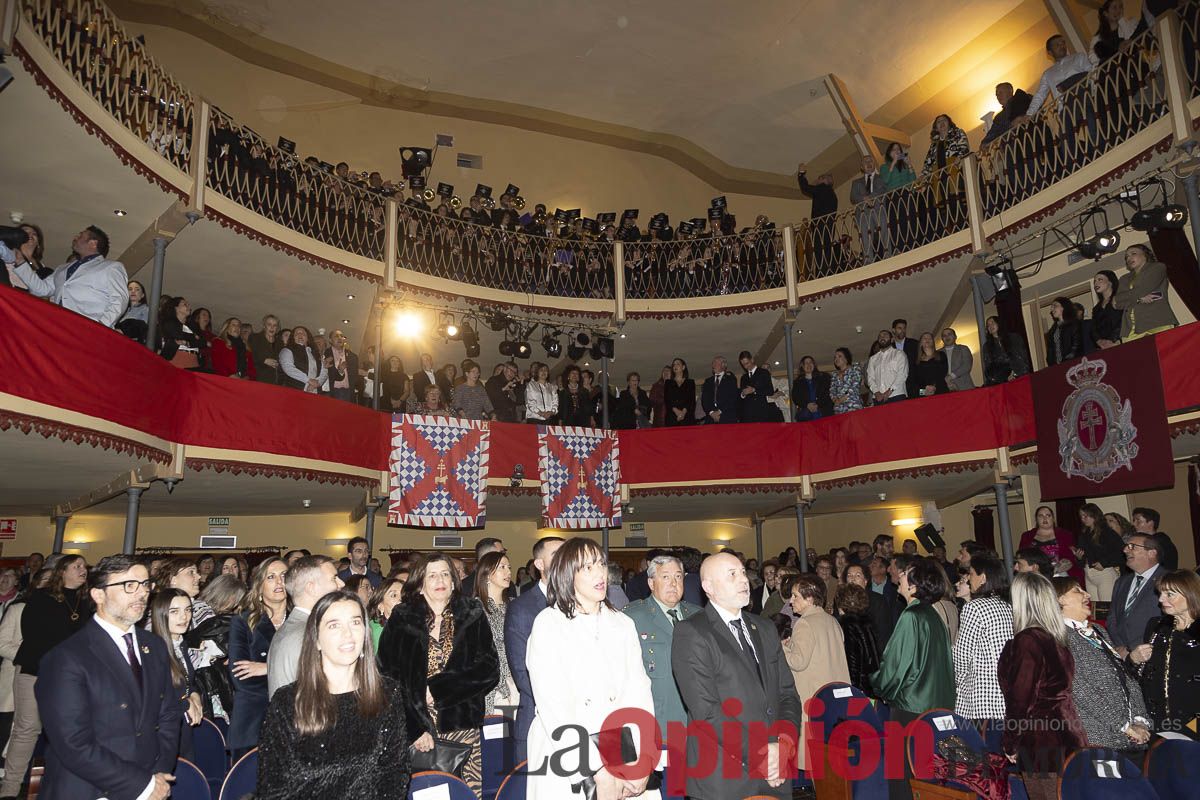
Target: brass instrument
<point x="519" y="203"/>
<point x="489" y="202"/>
<point x="456" y="202"/>
<point x="428" y="194"/>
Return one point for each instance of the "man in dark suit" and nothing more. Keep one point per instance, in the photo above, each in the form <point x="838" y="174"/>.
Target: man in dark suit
<point x="824" y="206"/>
<point x="110" y="711"/>
<point x="1146" y="520"/>
<point x="719" y="394"/>
<point x="1135" y="596"/>
<point x="886" y="610"/>
<point x="911" y="348"/>
<point x="487" y="544"/>
<point x="756" y="390"/>
<point x="518" y="624"/>
<point x="725" y="655"/>
<point x="638" y="587"/>
<point x="1013" y="104"/>
<point x="426" y="377"/>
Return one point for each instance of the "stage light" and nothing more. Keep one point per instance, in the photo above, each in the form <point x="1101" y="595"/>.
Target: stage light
<point x="508" y="348"/>
<point x="552" y="345"/>
<point x="452" y="331"/>
<point x="522" y="350"/>
<point x="447" y="329"/>
<point x="1163" y="217"/>
<point x="408" y="325"/>
<point x="1103" y="243"/>
<point x="470" y="340"/>
<point x="603" y="348"/>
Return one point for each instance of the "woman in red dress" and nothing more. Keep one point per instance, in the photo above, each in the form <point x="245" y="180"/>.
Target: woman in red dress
<point x="1057" y="543"/>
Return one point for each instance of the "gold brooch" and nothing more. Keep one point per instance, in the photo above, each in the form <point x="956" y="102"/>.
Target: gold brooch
<point x="145" y="650"/>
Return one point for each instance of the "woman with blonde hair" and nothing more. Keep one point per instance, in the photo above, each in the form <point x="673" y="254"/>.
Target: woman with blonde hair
<point x="1036" y="671"/>
<point x="263" y="610"/>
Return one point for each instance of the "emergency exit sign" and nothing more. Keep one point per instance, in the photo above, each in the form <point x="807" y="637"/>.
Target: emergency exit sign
<point x="218" y="522"/>
<point x="8" y="529"/>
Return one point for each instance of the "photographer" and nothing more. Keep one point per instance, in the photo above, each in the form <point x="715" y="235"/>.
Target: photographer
<point x="502" y="391"/>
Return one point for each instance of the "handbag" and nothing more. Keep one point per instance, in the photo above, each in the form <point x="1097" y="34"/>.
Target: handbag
<point x="446" y="756"/>
<point x="587" y="786"/>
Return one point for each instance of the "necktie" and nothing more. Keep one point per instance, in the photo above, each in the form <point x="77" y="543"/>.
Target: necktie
<point x="746" y="648"/>
<point x="674" y="615"/>
<point x="134" y="664"/>
<point x="870" y="183"/>
<point x="71" y="269"/>
<point x="1133" y="593"/>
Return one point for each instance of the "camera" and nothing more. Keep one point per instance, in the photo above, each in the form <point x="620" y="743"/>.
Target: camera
<point x="12" y="237"/>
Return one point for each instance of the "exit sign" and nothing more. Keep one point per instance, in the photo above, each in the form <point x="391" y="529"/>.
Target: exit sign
<point x="637" y="527"/>
<point x="218" y="522"/>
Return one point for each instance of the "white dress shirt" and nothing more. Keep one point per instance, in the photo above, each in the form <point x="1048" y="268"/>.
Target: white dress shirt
<point x="316" y="368"/>
<point x="98" y="289"/>
<point x="1058" y="72"/>
<point x="888" y="369"/>
<point x="728" y="619"/>
<point x="118" y="637"/>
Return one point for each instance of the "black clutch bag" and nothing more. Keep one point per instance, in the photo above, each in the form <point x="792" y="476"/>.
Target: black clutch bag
<point x="446" y="756"/>
<point x="587" y="787"/>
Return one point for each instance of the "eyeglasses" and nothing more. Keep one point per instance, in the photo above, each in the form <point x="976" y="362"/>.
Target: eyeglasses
<point x="130" y="587"/>
<point x="1132" y="545"/>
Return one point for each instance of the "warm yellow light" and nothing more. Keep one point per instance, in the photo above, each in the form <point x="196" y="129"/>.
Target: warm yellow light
<point x="896" y="523"/>
<point x="409" y="325"/>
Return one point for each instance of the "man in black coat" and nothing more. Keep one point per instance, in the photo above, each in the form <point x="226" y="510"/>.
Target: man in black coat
<point x="824" y="206"/>
<point x="502" y="391"/>
<point x="756" y="390"/>
<point x="725" y="654"/>
<point x="1013" y="104"/>
<point x="911" y="348"/>
<point x="110" y="711"/>
<point x="425" y="377"/>
<point x="719" y="395"/>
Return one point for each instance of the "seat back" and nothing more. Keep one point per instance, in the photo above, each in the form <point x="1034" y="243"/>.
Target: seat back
<point x="1173" y="769"/>
<point x="1093" y="773"/>
<point x="242" y="779"/>
<point x="513" y="785"/>
<point x="211" y="756"/>
<point x="424" y="784"/>
<point x="497" y="753"/>
<point x="850" y="756"/>
<point x="837" y="702"/>
<point x="190" y="783"/>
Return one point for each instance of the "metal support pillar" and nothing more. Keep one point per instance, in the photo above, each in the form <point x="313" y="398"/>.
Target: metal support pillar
<point x="60" y="532"/>
<point x="1006" y="545"/>
<point x="801" y="537"/>
<point x="131" y="519"/>
<point x="156" y="284"/>
<point x="791" y="365"/>
<point x="377" y="386"/>
<point x="369" y="532"/>
<point x="758" y="526"/>
<point x="604" y="392"/>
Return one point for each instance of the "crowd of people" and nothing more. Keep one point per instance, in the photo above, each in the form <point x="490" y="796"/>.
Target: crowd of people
<point x="348" y="679"/>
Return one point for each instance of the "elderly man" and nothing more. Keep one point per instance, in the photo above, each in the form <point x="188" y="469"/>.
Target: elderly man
<point x="264" y="347"/>
<point x="724" y="655"/>
<point x="307" y="581"/>
<point x="958" y="362"/>
<point x="90" y="284"/>
<point x="719" y="394"/>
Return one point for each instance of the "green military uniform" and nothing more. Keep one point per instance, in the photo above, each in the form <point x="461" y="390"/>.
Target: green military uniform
<point x="655" y="630"/>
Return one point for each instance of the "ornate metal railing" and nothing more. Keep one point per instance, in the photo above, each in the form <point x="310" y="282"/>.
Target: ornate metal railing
<point x="503" y="256"/>
<point x="1109" y="105"/>
<point x="300" y="195"/>
<point x="1189" y="16"/>
<point x="705" y="265"/>
<point x="116" y="70"/>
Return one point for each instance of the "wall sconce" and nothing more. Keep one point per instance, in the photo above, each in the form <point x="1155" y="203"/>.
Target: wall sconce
<point x="907" y="522"/>
<point x="77" y="545"/>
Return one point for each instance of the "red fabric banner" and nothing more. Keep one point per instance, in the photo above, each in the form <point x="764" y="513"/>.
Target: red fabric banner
<point x="438" y="471"/>
<point x="1102" y="424"/>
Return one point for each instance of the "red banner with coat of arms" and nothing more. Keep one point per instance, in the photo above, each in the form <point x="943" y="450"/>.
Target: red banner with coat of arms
<point x="439" y="472"/>
<point x="581" y="474"/>
<point x="1102" y="424"/>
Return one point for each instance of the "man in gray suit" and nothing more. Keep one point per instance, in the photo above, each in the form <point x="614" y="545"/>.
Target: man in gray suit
<point x="733" y="678"/>
<point x="958" y="362"/>
<point x="866" y="195"/>
<point x="307" y="581"/>
<point x="656" y="617"/>
<point x="1135" y="596"/>
<point x="90" y="284"/>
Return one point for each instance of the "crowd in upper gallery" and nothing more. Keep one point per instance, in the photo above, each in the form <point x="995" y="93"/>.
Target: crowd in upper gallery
<point x="897" y="367"/>
<point x="347" y="678"/>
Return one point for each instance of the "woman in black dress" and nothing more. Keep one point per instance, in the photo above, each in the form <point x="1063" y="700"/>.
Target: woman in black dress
<point x="338" y="732"/>
<point x="1106" y="317"/>
<point x="930" y="372"/>
<point x="1004" y="354"/>
<point x="1064" y="340"/>
<point x="1169" y="664"/>
<point x="680" y="396"/>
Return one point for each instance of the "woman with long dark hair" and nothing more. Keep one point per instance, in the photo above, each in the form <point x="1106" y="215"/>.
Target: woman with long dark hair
<point x="679" y="396"/>
<point x="438" y="645"/>
<point x="811" y="392"/>
<point x="493" y="585"/>
<point x="301" y="368"/>
<point x="1113" y="30"/>
<point x="1101" y="552"/>
<point x="262" y="611"/>
<point x="574" y="404"/>
<point x="338" y="732"/>
<point x="170" y="618"/>
<point x="383" y="600"/>
<point x="1064" y="340"/>
<point x="1106" y="317"/>
<point x="136" y="319"/>
<point x="51" y="616"/>
<point x="581" y="636"/>
<point x="230" y="356"/>
<point x="1169" y="663"/>
<point x="1057" y="543"/>
<point x="182" y="344"/>
<point x="1004" y="354"/>
<point x="396" y="386"/>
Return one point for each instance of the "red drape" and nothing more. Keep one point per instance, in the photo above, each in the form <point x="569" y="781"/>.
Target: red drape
<point x="1175" y="251"/>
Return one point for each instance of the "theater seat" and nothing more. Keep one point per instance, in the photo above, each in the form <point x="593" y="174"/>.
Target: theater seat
<point x="190" y="783"/>
<point x="211" y="756"/>
<point x="841" y="703"/>
<point x="1173" y="769"/>
<point x="497" y="753"/>
<point x="242" y="779"/>
<point x="439" y="785"/>
<point x="943" y="724"/>
<point x="1096" y="774"/>
<point x="513" y="787"/>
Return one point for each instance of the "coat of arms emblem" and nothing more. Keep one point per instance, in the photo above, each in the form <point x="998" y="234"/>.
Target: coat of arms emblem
<point x="1095" y="432"/>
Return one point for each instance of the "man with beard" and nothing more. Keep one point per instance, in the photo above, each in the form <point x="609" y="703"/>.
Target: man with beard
<point x="129" y="750"/>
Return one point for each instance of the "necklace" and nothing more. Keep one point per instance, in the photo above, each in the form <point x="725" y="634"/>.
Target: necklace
<point x="74" y="608"/>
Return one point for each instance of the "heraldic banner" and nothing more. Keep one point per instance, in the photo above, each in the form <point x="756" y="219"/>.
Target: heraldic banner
<point x="439" y="472"/>
<point x="1102" y="424"/>
<point x="581" y="472"/>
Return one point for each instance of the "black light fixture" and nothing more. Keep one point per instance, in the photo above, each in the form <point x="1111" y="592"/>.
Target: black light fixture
<point x="603" y="348"/>
<point x="1164" y="217"/>
<point x="1004" y="278"/>
<point x="552" y="345"/>
<point x="578" y="346"/>
<point x="1105" y="240"/>
<point x="470" y="340"/>
<point x="414" y="160"/>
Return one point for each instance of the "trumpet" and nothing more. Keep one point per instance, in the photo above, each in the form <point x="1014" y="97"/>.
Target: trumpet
<point x="456" y="202"/>
<point x="489" y="202"/>
<point x="519" y="203"/>
<point x="428" y="194"/>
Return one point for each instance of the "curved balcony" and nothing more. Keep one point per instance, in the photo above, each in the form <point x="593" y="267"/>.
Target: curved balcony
<point x="1122" y="114"/>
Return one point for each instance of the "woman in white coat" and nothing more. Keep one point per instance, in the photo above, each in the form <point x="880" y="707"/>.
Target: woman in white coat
<point x="584" y="663"/>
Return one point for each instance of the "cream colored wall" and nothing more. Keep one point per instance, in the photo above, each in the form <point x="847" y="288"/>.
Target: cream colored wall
<point x="559" y="172"/>
<point x="1176" y="513"/>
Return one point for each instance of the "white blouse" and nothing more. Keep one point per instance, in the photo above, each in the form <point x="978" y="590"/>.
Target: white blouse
<point x="541" y="400"/>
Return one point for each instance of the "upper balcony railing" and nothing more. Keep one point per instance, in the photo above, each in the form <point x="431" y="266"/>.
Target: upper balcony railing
<point x="1111" y="104"/>
<point x="116" y="70"/>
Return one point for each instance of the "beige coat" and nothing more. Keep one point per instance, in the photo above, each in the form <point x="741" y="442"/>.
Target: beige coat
<point x="816" y="654"/>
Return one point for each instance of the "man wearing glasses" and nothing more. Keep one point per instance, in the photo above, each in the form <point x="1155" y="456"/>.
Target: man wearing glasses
<point x="110" y="711"/>
<point x="1134" y="598"/>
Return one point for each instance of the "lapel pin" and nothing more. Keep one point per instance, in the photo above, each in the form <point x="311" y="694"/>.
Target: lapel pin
<point x="145" y="650"/>
<point x="645" y="636"/>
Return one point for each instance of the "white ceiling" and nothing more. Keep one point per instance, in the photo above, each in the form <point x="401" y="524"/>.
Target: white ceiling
<point x="741" y="80"/>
